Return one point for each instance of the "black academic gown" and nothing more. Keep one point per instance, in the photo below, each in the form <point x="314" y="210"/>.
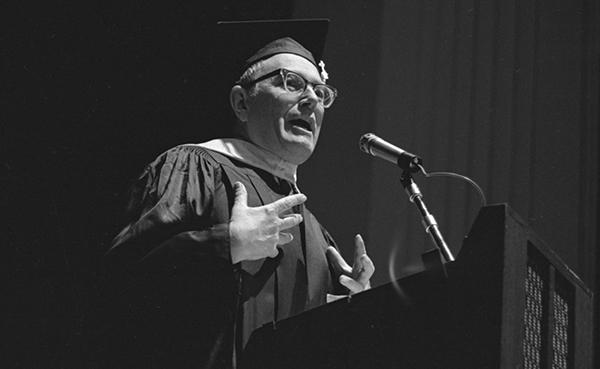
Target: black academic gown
<point x="180" y="302"/>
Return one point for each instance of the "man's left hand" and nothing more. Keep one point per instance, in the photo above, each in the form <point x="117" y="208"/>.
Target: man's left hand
<point x="355" y="278"/>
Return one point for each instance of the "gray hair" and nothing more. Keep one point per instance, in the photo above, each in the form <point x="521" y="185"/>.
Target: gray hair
<point x="249" y="75"/>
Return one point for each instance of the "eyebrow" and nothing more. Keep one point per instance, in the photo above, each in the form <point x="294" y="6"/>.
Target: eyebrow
<point x="318" y="82"/>
<point x="277" y="72"/>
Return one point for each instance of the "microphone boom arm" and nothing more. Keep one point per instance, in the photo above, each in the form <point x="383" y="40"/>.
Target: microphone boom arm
<point x="429" y="223"/>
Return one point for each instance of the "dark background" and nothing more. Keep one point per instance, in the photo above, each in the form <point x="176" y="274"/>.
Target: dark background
<point x="505" y="92"/>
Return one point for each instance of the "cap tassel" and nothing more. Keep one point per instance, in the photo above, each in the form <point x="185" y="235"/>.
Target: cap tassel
<point x="324" y="74"/>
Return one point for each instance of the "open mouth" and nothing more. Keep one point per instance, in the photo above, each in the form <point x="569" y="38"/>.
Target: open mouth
<point x="302" y="124"/>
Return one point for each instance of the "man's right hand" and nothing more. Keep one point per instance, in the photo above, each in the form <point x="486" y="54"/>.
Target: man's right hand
<point x="255" y="233"/>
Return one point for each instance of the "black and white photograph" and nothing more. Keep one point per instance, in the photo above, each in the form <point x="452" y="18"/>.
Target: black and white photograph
<point x="360" y="184"/>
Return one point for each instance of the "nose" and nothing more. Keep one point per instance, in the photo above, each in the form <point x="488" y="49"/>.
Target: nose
<point x="309" y="98"/>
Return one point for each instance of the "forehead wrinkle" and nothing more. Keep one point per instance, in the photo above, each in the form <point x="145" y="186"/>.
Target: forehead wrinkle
<point x="293" y="63"/>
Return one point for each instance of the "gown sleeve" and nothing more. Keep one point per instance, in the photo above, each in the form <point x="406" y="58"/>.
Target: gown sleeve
<point x="169" y="214"/>
<point x="170" y="280"/>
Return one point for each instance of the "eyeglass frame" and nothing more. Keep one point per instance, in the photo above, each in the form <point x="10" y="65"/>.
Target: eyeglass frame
<point x="283" y="73"/>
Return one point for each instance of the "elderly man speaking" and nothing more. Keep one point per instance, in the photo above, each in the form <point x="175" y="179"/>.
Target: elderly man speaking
<point x="219" y="240"/>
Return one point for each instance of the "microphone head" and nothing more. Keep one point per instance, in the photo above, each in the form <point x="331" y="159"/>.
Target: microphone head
<point x="364" y="143"/>
<point x="375" y="146"/>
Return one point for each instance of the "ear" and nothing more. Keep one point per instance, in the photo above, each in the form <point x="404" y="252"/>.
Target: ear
<point x="238" y="99"/>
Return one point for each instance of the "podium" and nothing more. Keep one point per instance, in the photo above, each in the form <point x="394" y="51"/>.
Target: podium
<point x="508" y="301"/>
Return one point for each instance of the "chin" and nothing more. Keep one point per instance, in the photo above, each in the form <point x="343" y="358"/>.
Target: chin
<point x="299" y="152"/>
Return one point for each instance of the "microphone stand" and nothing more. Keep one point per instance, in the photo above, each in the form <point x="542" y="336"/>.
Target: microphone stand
<point x="431" y="258"/>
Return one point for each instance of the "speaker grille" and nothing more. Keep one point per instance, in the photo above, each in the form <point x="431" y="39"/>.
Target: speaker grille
<point x="534" y="307"/>
<point x="560" y="332"/>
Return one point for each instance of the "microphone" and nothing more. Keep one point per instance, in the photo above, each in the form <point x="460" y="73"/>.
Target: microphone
<point x="380" y="148"/>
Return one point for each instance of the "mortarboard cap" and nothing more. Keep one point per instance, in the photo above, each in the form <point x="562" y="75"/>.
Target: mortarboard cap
<point x="245" y="42"/>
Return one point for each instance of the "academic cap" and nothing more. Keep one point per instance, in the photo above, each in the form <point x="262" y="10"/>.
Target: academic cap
<point x="245" y="42"/>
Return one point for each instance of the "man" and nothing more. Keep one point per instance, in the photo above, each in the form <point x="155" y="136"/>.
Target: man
<point x="219" y="241"/>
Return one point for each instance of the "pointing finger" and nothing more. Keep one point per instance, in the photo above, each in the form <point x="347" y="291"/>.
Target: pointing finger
<point x="359" y="247"/>
<point x="287" y="202"/>
<point x="290" y="221"/>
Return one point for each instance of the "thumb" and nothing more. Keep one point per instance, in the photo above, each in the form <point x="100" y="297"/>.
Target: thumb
<point x="337" y="261"/>
<point x="241" y="195"/>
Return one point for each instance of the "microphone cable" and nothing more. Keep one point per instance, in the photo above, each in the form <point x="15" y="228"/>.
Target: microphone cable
<point x="459" y="176"/>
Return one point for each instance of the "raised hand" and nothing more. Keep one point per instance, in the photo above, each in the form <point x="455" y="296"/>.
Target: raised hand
<point x="256" y="232"/>
<point x="355" y="278"/>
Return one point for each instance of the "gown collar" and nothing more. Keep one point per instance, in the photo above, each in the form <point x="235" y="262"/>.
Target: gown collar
<point x="254" y="155"/>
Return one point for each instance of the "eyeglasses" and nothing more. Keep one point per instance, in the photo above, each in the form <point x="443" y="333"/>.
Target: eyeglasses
<point x="295" y="83"/>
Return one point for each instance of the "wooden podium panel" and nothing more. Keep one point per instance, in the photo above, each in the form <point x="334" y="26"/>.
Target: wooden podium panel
<point x="506" y="302"/>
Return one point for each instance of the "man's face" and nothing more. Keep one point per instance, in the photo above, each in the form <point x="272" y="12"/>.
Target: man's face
<point x="285" y="123"/>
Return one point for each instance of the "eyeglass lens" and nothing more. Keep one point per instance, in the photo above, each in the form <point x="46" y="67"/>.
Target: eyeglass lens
<point x="295" y="83"/>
